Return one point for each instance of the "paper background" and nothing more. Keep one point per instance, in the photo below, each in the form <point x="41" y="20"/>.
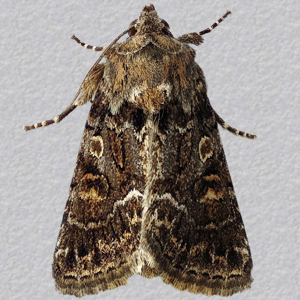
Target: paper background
<point x="251" y="64"/>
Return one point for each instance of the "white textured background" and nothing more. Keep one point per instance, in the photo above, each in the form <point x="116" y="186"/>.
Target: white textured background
<point x="251" y="64"/>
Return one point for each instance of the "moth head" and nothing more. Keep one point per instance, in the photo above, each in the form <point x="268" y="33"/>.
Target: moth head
<point x="149" y="22"/>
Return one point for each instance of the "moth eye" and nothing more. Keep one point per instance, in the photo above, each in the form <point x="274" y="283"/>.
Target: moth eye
<point x="133" y="22"/>
<point x="166" y="27"/>
<point x="132" y="31"/>
<point x="165" y="23"/>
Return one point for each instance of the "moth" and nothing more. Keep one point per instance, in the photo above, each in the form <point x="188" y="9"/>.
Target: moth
<point x="151" y="192"/>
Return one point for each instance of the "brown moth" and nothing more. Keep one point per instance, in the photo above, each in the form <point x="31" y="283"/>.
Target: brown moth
<point x="151" y="192"/>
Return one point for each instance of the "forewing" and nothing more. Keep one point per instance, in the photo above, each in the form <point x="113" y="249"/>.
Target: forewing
<point x="100" y="232"/>
<point x="192" y="226"/>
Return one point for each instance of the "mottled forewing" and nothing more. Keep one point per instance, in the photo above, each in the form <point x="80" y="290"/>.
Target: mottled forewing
<point x="192" y="225"/>
<point x="100" y="232"/>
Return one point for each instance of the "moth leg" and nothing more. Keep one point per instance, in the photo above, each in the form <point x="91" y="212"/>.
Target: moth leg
<point x="86" y="45"/>
<point x="209" y="29"/>
<point x="88" y="87"/>
<point x="57" y="119"/>
<point x="87" y="91"/>
<point x="233" y="130"/>
<point x="195" y="37"/>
